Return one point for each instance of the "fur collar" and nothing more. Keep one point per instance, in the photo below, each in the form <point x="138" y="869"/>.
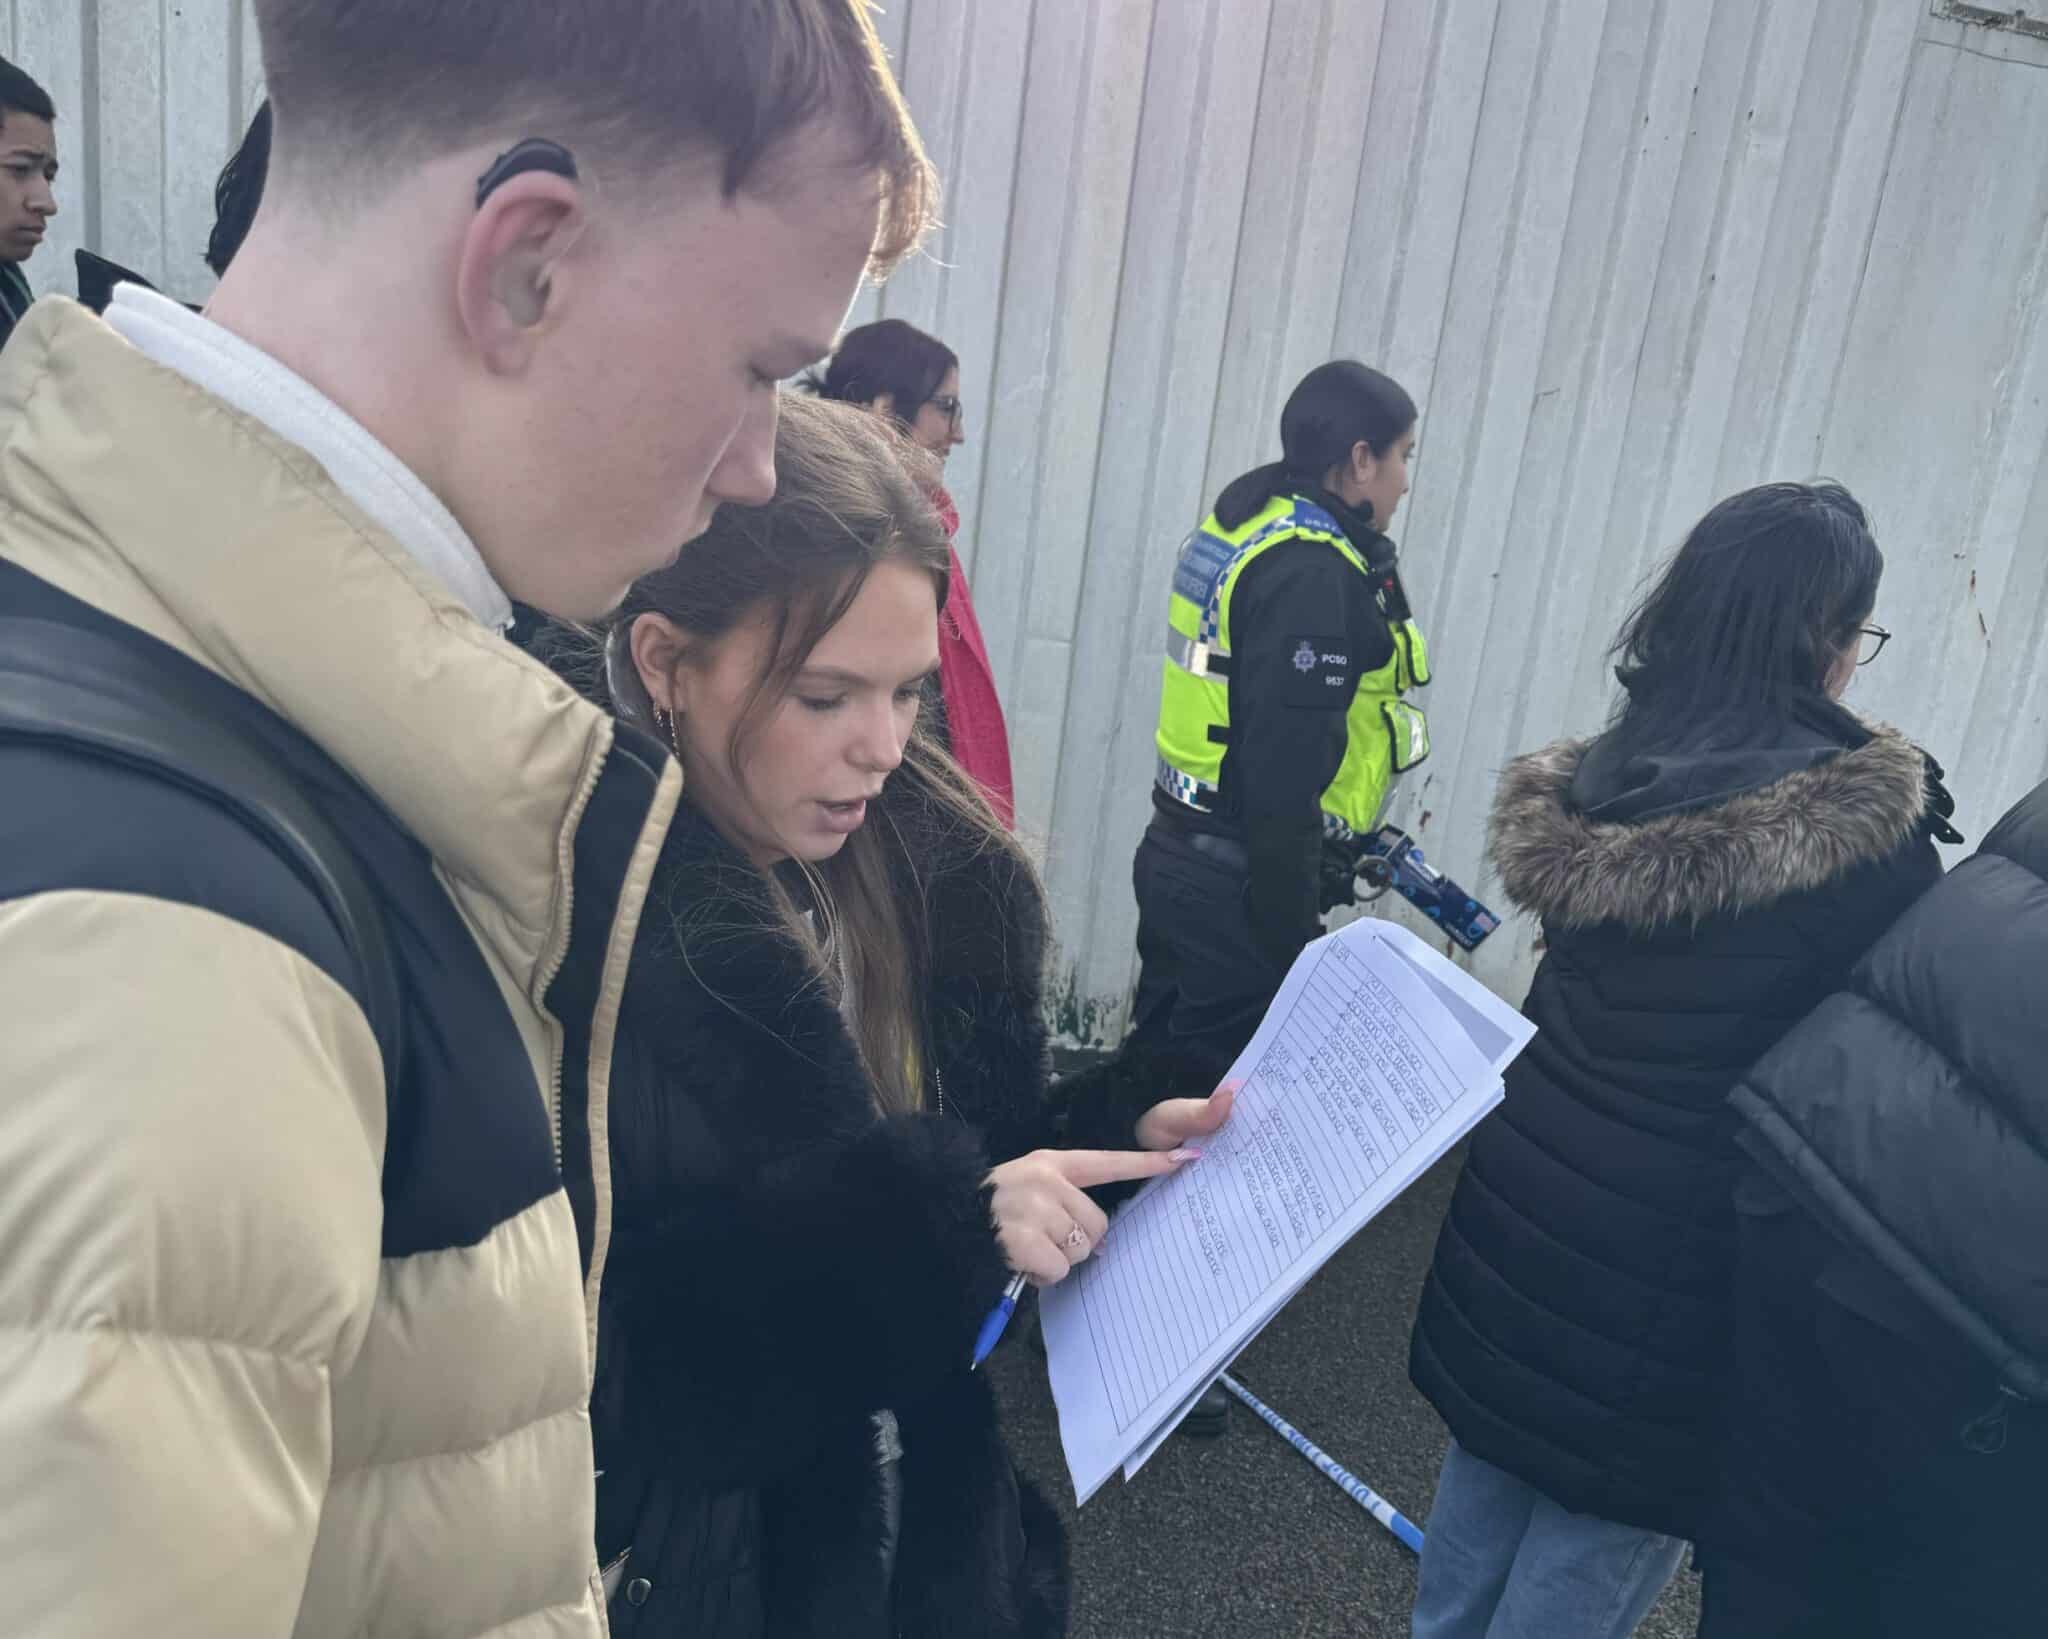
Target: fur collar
<point x="716" y="974"/>
<point x="715" y="957"/>
<point x="1757" y="847"/>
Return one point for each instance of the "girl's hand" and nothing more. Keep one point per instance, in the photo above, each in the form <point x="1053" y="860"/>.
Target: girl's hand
<point x="1176" y="1122"/>
<point x="1046" y="1225"/>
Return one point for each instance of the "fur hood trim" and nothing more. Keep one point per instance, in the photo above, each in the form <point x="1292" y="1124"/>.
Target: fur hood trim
<point x="1757" y="847"/>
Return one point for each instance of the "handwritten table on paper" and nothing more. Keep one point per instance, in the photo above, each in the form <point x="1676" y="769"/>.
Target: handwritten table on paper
<point x="1359" y="1079"/>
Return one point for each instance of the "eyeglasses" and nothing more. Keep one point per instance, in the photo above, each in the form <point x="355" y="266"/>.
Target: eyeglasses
<point x="949" y="406"/>
<point x="1870" y="644"/>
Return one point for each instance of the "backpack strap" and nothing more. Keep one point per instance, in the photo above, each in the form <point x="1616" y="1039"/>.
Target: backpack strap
<point x="91" y="694"/>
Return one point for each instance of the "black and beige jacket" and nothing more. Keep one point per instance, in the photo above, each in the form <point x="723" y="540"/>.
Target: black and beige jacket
<point x="1694" y="907"/>
<point x="294" y="1340"/>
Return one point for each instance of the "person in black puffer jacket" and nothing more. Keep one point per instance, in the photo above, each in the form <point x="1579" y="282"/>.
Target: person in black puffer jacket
<point x="1885" y="1439"/>
<point x="831" y="1134"/>
<point x="1706" y="870"/>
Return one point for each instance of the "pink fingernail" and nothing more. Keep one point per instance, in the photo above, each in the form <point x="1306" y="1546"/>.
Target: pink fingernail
<point x="1181" y="1157"/>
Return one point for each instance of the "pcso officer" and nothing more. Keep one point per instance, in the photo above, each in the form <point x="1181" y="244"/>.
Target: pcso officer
<point x="1291" y="651"/>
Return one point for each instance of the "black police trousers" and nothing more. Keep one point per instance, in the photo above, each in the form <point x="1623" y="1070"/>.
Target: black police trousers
<point x="1203" y="981"/>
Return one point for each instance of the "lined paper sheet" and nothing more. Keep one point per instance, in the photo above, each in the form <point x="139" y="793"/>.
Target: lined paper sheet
<point x="1374" y="1059"/>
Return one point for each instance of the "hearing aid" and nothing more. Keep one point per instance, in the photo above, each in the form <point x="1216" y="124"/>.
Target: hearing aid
<point x="526" y="299"/>
<point x="533" y="154"/>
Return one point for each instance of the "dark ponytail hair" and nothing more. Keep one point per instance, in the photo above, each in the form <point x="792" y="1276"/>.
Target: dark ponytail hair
<point x="1337" y="406"/>
<point x="1747" y="620"/>
<point x="238" y="192"/>
<point x="888" y="356"/>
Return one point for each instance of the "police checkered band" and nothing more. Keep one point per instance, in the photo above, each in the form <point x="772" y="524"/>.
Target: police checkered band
<point x="1211" y="626"/>
<point x="1335" y="830"/>
<point x="1185" y="788"/>
<point x="1304" y="519"/>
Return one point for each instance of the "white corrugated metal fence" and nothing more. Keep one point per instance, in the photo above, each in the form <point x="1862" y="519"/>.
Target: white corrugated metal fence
<point x="1628" y="254"/>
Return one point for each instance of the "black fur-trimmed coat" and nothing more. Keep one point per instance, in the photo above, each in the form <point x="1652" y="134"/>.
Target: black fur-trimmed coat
<point x="785" y="1262"/>
<point x="1573" y="1325"/>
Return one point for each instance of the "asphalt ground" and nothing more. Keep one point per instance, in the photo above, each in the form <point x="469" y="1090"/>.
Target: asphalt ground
<point x="1241" y="1535"/>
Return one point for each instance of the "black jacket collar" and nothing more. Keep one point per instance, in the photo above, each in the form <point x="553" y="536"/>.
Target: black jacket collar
<point x="1376" y="548"/>
<point x="714" y="953"/>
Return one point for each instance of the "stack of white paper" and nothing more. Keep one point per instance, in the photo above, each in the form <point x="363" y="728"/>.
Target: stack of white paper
<point x="1375" y="1058"/>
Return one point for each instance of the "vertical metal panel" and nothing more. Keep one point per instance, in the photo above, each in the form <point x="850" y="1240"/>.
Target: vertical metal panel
<point x="1190" y="215"/>
<point x="247" y="62"/>
<point x="199" y="93"/>
<point x="963" y="62"/>
<point x="1943" y="391"/>
<point x="130" y="108"/>
<point x="1059" y="321"/>
<point x="1629" y="257"/>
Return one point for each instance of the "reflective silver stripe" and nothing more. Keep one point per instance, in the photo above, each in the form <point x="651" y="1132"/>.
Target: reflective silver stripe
<point x="1196" y="658"/>
<point x="1401" y="716"/>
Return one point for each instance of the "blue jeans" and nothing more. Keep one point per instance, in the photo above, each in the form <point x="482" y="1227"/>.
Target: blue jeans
<point x="1500" y="1560"/>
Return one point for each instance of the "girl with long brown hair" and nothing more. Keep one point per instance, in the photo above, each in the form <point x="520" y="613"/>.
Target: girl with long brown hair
<point x="831" y="1029"/>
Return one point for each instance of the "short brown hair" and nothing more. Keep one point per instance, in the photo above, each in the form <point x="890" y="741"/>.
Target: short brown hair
<point x="634" y="81"/>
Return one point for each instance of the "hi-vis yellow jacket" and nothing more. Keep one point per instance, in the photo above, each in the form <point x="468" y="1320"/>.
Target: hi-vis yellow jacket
<point x="1386" y="733"/>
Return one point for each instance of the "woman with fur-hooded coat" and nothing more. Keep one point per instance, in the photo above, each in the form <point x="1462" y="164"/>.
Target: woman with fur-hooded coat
<point x="1705" y="872"/>
<point x="831" y="1135"/>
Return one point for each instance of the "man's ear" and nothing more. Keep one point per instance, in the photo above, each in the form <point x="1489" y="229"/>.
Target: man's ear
<point x="513" y="279"/>
<point x="883" y="404"/>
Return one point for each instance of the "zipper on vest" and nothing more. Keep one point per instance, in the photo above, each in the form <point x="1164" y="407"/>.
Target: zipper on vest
<point x="551" y="968"/>
<point x="558" y="1054"/>
<point x="555" y="1105"/>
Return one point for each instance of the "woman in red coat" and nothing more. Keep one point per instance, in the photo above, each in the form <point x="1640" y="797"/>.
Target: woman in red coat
<point x="896" y="370"/>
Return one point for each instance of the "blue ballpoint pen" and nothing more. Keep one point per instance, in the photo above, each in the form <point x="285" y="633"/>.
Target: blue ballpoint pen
<point x="998" y="1318"/>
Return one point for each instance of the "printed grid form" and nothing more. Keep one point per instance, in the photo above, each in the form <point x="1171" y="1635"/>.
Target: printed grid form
<point x="1347" y="1087"/>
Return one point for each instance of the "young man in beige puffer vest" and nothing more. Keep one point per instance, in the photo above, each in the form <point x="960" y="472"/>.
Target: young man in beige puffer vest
<point x="294" y="1339"/>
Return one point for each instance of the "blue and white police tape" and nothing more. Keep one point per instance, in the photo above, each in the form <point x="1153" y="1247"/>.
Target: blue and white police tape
<point x="1353" y="1487"/>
